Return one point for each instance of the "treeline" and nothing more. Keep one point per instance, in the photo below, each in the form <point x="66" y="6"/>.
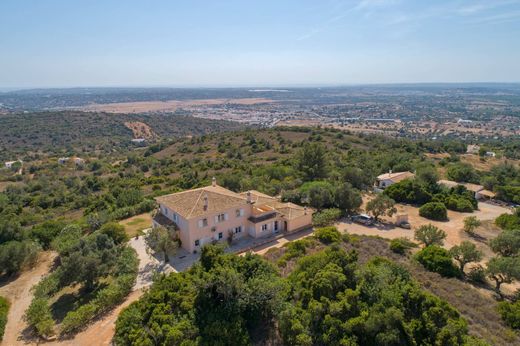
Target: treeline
<point x="328" y="299"/>
<point x="101" y="264"/>
<point x="27" y="136"/>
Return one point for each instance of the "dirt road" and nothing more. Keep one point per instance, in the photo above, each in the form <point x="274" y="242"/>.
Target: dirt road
<point x="18" y="292"/>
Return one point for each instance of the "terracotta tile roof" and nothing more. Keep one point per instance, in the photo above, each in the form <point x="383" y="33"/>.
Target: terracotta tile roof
<point x="487" y="193"/>
<point x="396" y="177"/>
<point x="469" y="186"/>
<point x="190" y="204"/>
<point x="292" y="211"/>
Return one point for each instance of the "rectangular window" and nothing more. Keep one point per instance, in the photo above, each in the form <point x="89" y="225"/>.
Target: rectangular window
<point x="197" y="242"/>
<point x="221" y="218"/>
<point x="238" y="229"/>
<point x="174" y="217"/>
<point x="239" y="212"/>
<point x="264" y="227"/>
<point x="203" y="223"/>
<point x="220" y="235"/>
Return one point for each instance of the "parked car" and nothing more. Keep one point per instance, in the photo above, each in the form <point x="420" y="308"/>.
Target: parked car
<point x="363" y="219"/>
<point x="405" y="225"/>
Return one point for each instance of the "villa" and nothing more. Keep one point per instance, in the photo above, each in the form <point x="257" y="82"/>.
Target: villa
<point x="213" y="213"/>
<point x="390" y="178"/>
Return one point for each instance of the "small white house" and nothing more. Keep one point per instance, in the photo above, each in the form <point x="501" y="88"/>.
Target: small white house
<point x="9" y="164"/>
<point x="138" y="140"/>
<point x="63" y="160"/>
<point x="387" y="179"/>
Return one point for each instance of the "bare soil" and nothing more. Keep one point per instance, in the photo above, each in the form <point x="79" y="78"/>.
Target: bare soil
<point x="167" y="106"/>
<point x="19" y="294"/>
<point x="141" y="130"/>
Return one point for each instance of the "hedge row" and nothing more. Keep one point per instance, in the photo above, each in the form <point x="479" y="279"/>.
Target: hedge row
<point x="4" y="309"/>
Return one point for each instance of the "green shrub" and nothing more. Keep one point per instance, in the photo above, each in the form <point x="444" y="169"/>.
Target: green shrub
<point x="78" y="318"/>
<point x="438" y="260"/>
<point x="4" y="309"/>
<point x="115" y="231"/>
<point x="39" y="316"/>
<point x="327" y="235"/>
<point x="510" y="313"/>
<point x="508" y="221"/>
<point x="434" y="211"/>
<point x="295" y="249"/>
<point x="326" y="217"/>
<point x="400" y="245"/>
<point x="477" y="275"/>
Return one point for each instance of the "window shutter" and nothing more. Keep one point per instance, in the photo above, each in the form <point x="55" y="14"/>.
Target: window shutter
<point x="216" y="218"/>
<point x="225" y="216"/>
<point x="200" y="223"/>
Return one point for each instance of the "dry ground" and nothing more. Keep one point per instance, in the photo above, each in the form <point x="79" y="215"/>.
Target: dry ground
<point x="140" y="129"/>
<point x="18" y="292"/>
<point x="136" y="224"/>
<point x="167" y="106"/>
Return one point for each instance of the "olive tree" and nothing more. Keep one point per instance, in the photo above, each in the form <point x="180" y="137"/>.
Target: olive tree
<point x="380" y="206"/>
<point x="465" y="253"/>
<point x="430" y="235"/>
<point x="503" y="270"/>
<point x="471" y="223"/>
<point x="160" y="240"/>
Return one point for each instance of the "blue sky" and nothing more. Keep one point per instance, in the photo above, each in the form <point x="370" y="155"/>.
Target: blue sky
<point x="57" y="43"/>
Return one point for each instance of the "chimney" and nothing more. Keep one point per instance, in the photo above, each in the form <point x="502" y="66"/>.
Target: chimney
<point x="248" y="195"/>
<point x="205" y="202"/>
<point x="214" y="182"/>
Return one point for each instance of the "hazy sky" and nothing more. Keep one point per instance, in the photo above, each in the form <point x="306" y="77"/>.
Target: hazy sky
<point x="51" y="43"/>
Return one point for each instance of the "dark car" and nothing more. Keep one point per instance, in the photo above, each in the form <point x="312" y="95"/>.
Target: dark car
<point x="363" y="219"/>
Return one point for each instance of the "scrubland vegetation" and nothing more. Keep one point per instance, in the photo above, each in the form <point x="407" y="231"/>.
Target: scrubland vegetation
<point x="331" y="288"/>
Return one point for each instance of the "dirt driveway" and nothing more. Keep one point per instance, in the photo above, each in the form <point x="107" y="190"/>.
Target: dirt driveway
<point x="18" y="292"/>
<point x="453" y="227"/>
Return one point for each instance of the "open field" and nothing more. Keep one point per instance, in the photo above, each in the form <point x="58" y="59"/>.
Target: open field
<point x="136" y="224"/>
<point x="167" y="106"/>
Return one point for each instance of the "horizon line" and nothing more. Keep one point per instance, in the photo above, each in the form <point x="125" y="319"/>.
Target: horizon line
<point x="245" y="86"/>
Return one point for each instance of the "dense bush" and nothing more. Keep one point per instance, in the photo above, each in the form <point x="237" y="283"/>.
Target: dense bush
<point x="222" y="300"/>
<point x="16" y="255"/>
<point x="327" y="235"/>
<point x="510" y="313"/>
<point x="326" y="217"/>
<point x="295" y="249"/>
<point x="409" y="191"/>
<point x="434" y="211"/>
<point x="509" y="221"/>
<point x="328" y="299"/>
<point x="85" y="261"/>
<point x="438" y="260"/>
<point x="4" y="309"/>
<point x="401" y="245"/>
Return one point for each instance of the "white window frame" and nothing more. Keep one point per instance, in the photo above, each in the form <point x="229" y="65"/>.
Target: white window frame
<point x="221" y="217"/>
<point x="203" y="223"/>
<point x="239" y="212"/>
<point x="265" y="227"/>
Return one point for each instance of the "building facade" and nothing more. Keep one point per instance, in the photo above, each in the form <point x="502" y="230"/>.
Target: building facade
<point x="215" y="214"/>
